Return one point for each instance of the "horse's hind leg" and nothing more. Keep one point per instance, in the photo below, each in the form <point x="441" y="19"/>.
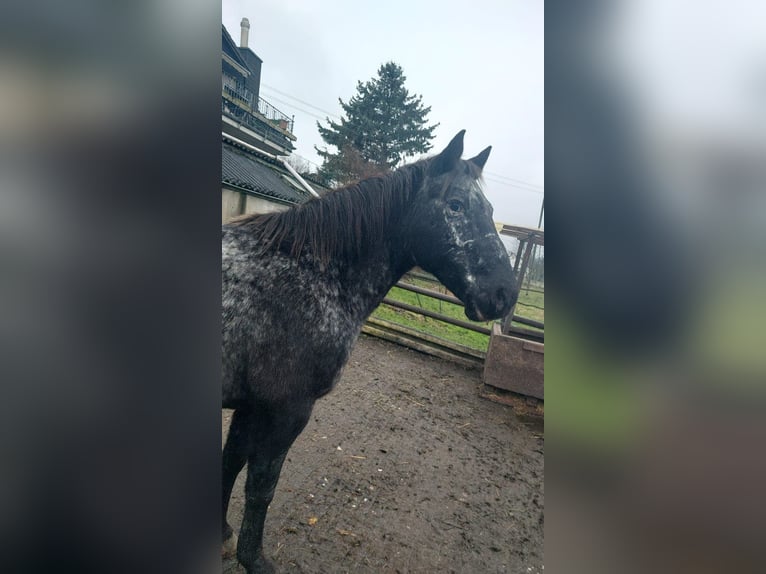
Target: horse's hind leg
<point x="234" y="458"/>
<point x="275" y="431"/>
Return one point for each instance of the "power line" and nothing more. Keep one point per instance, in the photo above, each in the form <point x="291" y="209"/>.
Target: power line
<point x="512" y="184"/>
<point x="509" y="184"/>
<point x="296" y="108"/>
<point x="493" y="177"/>
<point x="305" y="103"/>
<point x="515" y="180"/>
<point x="489" y="179"/>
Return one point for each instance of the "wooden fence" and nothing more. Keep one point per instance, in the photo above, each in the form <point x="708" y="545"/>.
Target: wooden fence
<point x="428" y="343"/>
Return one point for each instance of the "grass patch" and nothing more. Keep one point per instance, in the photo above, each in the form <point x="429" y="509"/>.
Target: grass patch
<point x="530" y="305"/>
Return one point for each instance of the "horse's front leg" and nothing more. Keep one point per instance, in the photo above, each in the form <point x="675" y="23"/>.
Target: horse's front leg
<point x="234" y="459"/>
<point x="276" y="434"/>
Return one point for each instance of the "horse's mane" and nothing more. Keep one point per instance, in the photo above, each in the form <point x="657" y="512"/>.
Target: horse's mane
<point x="338" y="224"/>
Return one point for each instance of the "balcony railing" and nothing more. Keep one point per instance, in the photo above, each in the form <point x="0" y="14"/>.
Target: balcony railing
<point x="241" y="94"/>
<point x="273" y="114"/>
<point x="256" y="124"/>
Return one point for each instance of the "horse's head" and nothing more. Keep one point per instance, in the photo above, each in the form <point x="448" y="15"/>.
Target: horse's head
<point x="453" y="236"/>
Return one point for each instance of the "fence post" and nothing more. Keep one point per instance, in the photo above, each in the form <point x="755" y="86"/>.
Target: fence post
<point x="520" y="272"/>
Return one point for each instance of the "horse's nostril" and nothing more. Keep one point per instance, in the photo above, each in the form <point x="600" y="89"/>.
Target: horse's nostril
<point x="505" y="298"/>
<point x="501" y="298"/>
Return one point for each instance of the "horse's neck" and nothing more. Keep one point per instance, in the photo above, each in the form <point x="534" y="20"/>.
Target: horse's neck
<point x="367" y="284"/>
<point x="368" y="280"/>
<point x="382" y="262"/>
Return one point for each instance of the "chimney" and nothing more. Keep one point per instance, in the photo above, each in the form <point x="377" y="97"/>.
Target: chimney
<point x="245" y="24"/>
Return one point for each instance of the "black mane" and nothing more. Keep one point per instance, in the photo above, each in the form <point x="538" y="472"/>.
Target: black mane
<point x="340" y="223"/>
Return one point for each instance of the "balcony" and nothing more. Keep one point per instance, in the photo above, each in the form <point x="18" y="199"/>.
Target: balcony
<point x="242" y="97"/>
<point x="260" y="123"/>
<point x="283" y="121"/>
<point x="239" y="95"/>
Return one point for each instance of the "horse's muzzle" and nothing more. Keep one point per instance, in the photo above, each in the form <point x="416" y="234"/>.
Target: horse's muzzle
<point x="490" y="304"/>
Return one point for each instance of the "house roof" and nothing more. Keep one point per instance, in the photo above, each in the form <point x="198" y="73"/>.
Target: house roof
<point x="260" y="174"/>
<point x="318" y="186"/>
<point x="249" y="56"/>
<point x="230" y="49"/>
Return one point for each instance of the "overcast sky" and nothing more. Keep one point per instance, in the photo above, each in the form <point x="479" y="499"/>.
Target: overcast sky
<point x="479" y="65"/>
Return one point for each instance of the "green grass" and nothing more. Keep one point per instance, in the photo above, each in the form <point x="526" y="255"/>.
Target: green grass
<point x="444" y="330"/>
<point x="531" y="305"/>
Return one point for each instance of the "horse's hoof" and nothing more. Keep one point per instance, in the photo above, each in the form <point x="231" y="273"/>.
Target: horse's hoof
<point x="262" y="566"/>
<point x="229" y="548"/>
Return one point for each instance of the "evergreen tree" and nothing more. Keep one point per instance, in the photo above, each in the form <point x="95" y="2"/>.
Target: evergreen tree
<point x="382" y="124"/>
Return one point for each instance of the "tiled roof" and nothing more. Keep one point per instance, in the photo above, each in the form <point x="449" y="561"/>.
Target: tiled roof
<point x="255" y="173"/>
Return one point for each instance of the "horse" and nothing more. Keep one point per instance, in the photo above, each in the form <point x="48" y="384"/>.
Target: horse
<point x="298" y="285"/>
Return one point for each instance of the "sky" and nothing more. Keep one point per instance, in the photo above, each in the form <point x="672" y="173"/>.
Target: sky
<point x="479" y="65"/>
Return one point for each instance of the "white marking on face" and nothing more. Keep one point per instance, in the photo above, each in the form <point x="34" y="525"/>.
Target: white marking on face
<point x="475" y="198"/>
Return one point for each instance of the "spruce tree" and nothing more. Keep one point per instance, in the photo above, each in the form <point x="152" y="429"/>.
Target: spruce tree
<point x="382" y="123"/>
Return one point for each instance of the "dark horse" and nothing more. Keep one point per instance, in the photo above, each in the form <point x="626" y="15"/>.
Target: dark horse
<point x="298" y="285"/>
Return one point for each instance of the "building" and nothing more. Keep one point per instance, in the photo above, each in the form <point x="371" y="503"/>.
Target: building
<point x="245" y="115"/>
<point x="256" y="139"/>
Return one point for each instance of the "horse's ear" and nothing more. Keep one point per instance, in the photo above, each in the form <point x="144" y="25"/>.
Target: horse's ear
<point x="448" y="158"/>
<point x="481" y="159"/>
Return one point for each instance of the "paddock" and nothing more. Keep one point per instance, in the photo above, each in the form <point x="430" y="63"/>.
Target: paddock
<point x="405" y="468"/>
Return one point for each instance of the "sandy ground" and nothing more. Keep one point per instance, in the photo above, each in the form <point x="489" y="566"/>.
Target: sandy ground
<point x="405" y="468"/>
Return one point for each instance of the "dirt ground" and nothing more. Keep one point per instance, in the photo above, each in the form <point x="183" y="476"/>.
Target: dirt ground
<point x="405" y="468"/>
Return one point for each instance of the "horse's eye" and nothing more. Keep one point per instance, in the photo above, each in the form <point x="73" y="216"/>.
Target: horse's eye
<point x="455" y="206"/>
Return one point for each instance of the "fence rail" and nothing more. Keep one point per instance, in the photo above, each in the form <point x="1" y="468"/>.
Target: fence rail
<point x="456" y="301"/>
<point x="435" y="315"/>
<point x="424" y="342"/>
<point x="435" y="345"/>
